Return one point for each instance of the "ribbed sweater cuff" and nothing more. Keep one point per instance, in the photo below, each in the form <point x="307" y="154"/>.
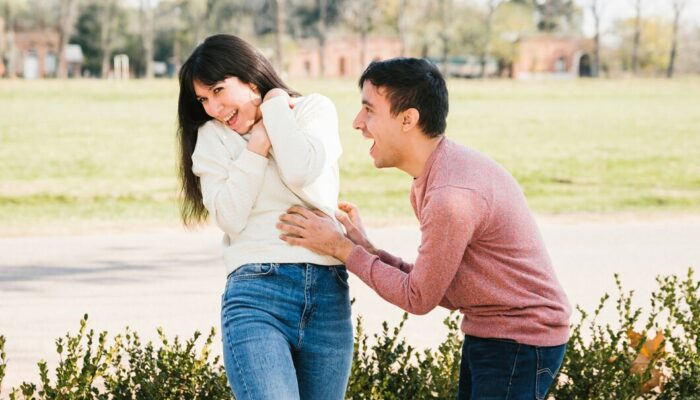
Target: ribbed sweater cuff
<point x="359" y="262"/>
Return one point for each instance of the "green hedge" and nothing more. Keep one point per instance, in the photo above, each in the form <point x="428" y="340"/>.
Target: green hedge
<point x="602" y="361"/>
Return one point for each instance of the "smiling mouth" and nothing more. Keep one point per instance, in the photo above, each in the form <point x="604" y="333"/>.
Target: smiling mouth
<point x="230" y="119"/>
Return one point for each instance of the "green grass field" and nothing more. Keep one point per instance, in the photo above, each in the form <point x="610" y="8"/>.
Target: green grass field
<point x="94" y="153"/>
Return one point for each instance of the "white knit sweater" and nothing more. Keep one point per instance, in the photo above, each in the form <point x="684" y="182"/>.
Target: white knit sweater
<point x="246" y="193"/>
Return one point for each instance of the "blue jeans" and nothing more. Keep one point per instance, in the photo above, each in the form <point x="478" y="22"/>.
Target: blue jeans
<point x="287" y="331"/>
<point x="505" y="370"/>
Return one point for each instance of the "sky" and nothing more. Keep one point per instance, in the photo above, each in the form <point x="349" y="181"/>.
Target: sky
<point x="620" y="9"/>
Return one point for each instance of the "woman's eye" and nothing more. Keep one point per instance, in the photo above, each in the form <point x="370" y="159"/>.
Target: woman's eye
<point x="202" y="99"/>
<point x="217" y="90"/>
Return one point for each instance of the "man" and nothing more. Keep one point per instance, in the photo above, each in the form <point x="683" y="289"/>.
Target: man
<point x="481" y="251"/>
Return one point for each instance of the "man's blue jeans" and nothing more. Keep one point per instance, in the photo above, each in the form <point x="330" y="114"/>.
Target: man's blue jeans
<point x="505" y="370"/>
<point x="287" y="331"/>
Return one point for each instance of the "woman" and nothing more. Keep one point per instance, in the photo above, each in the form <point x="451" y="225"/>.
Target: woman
<point x="250" y="149"/>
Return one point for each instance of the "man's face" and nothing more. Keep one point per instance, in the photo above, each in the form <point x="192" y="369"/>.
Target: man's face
<point x="376" y="123"/>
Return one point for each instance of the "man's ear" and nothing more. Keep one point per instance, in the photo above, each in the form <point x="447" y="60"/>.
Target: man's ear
<point x="409" y="119"/>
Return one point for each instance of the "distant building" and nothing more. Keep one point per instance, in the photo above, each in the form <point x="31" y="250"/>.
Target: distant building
<point x="342" y="56"/>
<point x="37" y="55"/>
<point x="550" y="56"/>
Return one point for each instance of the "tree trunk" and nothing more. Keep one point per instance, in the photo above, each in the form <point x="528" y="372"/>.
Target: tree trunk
<point x="323" y="11"/>
<point x="401" y="26"/>
<point x="637" y="34"/>
<point x="486" y="54"/>
<point x="68" y="16"/>
<point x="444" y="19"/>
<point x="147" y="36"/>
<point x="108" y="13"/>
<point x="595" y="10"/>
<point x="279" y="40"/>
<point x="674" y="40"/>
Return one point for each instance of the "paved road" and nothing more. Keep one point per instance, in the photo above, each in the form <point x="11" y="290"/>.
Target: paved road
<point x="174" y="279"/>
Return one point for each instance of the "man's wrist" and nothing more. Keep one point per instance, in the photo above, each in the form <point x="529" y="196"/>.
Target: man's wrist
<point x="343" y="249"/>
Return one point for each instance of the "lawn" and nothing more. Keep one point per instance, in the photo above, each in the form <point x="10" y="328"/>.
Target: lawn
<point x="101" y="153"/>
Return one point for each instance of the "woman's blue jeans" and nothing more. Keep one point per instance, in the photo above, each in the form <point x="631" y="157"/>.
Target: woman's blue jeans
<point x="497" y="369"/>
<point x="287" y="331"/>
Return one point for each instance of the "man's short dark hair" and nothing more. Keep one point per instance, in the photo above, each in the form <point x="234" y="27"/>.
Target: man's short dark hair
<point x="412" y="83"/>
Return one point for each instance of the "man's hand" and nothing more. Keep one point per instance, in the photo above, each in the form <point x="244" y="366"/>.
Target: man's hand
<point x="350" y="218"/>
<point x="259" y="142"/>
<point x="314" y="231"/>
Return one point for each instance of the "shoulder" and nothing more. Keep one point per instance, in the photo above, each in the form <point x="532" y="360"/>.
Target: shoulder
<point x="314" y="102"/>
<point x="210" y="128"/>
<point x="209" y="134"/>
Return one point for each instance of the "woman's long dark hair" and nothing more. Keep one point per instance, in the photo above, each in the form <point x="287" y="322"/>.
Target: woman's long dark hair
<point x="217" y="58"/>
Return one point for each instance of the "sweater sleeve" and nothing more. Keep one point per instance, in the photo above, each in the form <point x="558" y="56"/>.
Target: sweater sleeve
<point x="394" y="261"/>
<point x="230" y="185"/>
<point x="304" y="143"/>
<point x="449" y="219"/>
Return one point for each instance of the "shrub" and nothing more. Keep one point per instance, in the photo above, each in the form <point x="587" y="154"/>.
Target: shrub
<point x="602" y="361"/>
<point x="619" y="363"/>
<point x="391" y="369"/>
<point x="3" y="360"/>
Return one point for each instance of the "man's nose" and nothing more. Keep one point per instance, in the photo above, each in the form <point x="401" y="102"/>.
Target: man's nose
<point x="358" y="122"/>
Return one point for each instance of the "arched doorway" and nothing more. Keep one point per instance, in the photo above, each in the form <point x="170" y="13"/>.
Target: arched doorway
<point x="341" y="67"/>
<point x="31" y="65"/>
<point x="585" y="69"/>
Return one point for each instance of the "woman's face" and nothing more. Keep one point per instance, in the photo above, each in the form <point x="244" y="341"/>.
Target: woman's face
<point x="232" y="102"/>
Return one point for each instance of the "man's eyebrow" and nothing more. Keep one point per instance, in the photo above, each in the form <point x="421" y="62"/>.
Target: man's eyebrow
<point x="367" y="103"/>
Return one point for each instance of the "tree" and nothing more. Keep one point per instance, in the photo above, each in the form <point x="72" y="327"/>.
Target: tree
<point x="147" y="24"/>
<point x="492" y="5"/>
<point x="637" y="35"/>
<point x="556" y="15"/>
<point x="445" y="22"/>
<point x="87" y="35"/>
<point x="401" y="25"/>
<point x="323" y="16"/>
<point x="653" y="50"/>
<point x="68" y="13"/>
<point x="279" y="34"/>
<point x="678" y="6"/>
<point x="360" y="15"/>
<point x="108" y="14"/>
<point x="596" y="7"/>
<point x="511" y="22"/>
<point x="9" y="9"/>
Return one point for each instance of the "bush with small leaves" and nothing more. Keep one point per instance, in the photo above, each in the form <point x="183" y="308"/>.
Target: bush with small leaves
<point x="655" y="358"/>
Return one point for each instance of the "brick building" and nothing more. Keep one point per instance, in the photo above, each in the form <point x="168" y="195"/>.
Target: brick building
<point x="549" y="56"/>
<point x="342" y="56"/>
<point x="36" y="55"/>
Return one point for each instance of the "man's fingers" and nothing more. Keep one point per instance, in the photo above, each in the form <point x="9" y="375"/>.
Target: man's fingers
<point x="294" y="241"/>
<point x="290" y="229"/>
<point x="301" y="211"/>
<point x="294" y="219"/>
<point x="320" y="213"/>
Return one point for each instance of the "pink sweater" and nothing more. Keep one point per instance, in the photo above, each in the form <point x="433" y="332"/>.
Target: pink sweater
<point x="481" y="252"/>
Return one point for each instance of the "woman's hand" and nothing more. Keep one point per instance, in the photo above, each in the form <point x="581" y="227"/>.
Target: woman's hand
<point x="259" y="142"/>
<point x="276" y="92"/>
